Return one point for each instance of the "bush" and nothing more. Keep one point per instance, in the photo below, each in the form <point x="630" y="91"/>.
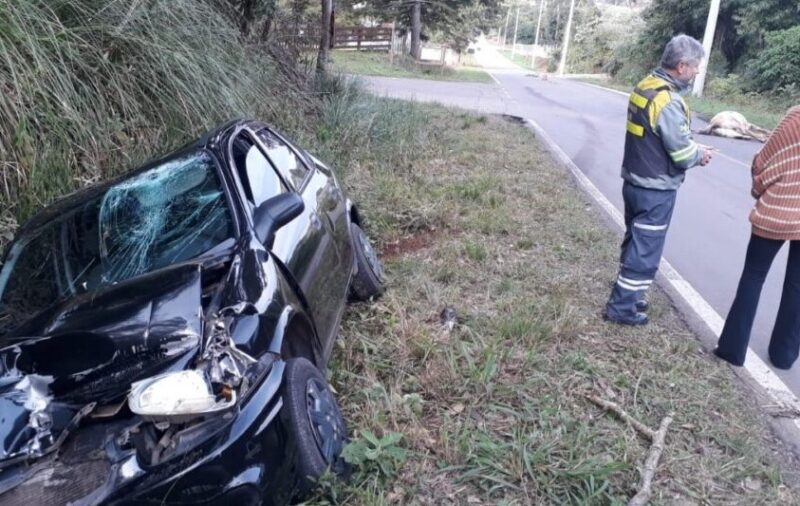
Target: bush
<point x="91" y="88"/>
<point x="725" y="87"/>
<point x="778" y="66"/>
<point x="629" y="64"/>
<point x="599" y="39"/>
<point x="357" y="127"/>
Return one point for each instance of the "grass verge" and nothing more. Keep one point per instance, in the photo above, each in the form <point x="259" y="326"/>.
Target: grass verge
<point x="518" y="59"/>
<point x="605" y="83"/>
<point x="758" y="110"/>
<point x="471" y="214"/>
<point x="377" y="64"/>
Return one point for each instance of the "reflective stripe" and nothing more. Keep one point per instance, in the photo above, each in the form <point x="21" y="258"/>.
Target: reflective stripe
<point x="650" y="227"/>
<point x="631" y="287"/>
<point x="638" y="100"/>
<point x="635" y="129"/>
<point x="685" y="153"/>
<point x="659" y="102"/>
<point x="639" y="282"/>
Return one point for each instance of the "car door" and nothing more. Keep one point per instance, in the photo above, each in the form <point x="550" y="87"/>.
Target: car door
<point x="323" y="262"/>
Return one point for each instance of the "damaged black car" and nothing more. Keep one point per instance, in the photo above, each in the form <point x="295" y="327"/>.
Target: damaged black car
<point x="165" y="335"/>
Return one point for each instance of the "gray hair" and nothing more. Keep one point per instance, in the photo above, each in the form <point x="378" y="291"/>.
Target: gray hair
<point x="682" y="49"/>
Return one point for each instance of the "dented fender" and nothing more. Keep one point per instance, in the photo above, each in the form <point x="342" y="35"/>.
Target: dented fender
<point x="279" y="309"/>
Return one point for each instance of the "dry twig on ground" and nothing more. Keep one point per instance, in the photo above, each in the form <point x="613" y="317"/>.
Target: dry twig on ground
<point x="645" y="485"/>
<point x="657" y="439"/>
<point x="612" y="406"/>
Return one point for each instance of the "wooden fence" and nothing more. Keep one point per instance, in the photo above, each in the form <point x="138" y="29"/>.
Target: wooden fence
<point x="362" y="38"/>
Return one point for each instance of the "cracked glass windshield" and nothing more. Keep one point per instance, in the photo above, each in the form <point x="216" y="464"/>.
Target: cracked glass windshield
<point x="165" y="215"/>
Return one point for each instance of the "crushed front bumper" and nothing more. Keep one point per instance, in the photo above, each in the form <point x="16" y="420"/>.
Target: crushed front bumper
<point x="244" y="459"/>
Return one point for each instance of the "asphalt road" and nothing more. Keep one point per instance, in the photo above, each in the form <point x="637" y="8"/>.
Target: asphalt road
<point x="709" y="232"/>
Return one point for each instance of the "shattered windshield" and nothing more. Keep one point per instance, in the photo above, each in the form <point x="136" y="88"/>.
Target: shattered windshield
<point x="165" y="215"/>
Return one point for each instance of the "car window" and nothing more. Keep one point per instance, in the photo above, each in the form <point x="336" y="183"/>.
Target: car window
<point x="284" y="157"/>
<point x="168" y="214"/>
<point x="259" y="178"/>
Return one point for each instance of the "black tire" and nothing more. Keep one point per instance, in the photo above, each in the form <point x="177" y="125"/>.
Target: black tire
<point x="319" y="441"/>
<point x="368" y="279"/>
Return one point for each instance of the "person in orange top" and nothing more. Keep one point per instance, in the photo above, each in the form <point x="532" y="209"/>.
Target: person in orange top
<point x="775" y="220"/>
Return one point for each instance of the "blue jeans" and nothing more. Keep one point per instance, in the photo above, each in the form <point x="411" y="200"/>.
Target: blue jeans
<point x="785" y="341"/>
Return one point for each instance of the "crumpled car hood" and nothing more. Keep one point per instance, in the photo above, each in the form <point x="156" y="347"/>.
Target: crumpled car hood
<point x="89" y="357"/>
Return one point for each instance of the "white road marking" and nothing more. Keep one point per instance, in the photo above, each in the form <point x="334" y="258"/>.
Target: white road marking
<point x="734" y="160"/>
<point x="775" y="388"/>
<point x="612" y="90"/>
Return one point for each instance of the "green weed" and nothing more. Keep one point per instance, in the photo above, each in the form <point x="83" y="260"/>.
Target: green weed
<point x="370" y="454"/>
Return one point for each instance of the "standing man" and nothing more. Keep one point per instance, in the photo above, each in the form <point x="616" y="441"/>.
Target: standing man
<point x="658" y="151"/>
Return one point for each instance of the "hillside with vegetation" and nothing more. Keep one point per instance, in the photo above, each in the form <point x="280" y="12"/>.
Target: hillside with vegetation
<point x="91" y="88"/>
<point x="754" y="63"/>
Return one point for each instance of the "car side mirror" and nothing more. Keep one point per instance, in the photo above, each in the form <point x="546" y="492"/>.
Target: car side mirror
<point x="274" y="213"/>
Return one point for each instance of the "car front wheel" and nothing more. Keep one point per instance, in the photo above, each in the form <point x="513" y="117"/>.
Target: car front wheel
<point x="368" y="279"/>
<point x="316" y="423"/>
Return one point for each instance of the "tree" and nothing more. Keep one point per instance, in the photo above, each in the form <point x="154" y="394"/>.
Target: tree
<point x="741" y="26"/>
<point x="416" y="29"/>
<point x="325" y="35"/>
<point x="453" y="21"/>
<point x="778" y="66"/>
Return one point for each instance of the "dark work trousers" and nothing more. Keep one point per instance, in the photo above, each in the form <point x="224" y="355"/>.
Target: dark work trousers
<point x="647" y="216"/>
<point x="785" y="341"/>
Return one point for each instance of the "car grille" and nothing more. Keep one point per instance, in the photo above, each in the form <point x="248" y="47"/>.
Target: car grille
<point x="79" y="468"/>
<point x="59" y="484"/>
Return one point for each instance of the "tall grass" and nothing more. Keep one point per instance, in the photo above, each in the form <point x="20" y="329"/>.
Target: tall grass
<point x="93" y="87"/>
<point x="356" y="127"/>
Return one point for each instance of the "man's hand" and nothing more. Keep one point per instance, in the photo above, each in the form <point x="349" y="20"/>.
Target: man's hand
<point x="706" y="157"/>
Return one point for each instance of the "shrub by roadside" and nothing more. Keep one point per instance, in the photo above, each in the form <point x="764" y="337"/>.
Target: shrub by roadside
<point x="92" y="88"/>
<point x="476" y="217"/>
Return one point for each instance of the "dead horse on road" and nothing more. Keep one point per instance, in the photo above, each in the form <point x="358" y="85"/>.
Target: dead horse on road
<point x="735" y="126"/>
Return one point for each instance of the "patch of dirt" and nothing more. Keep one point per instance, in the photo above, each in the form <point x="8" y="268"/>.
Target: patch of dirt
<point x="517" y="120"/>
<point x="409" y="243"/>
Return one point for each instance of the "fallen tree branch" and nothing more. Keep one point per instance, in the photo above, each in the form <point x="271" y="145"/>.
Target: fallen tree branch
<point x="612" y="406"/>
<point x="645" y="485"/>
<point x="657" y="446"/>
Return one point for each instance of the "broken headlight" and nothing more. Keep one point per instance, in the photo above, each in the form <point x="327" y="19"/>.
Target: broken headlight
<point x="179" y="396"/>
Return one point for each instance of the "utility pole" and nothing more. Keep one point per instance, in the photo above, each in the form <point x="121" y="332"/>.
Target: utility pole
<point x="516" y="26"/>
<point x="505" y="30"/>
<point x="708" y="40"/>
<point x="536" y="40"/>
<point x="563" y="64"/>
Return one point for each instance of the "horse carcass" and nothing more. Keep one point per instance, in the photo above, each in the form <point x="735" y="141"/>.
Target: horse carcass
<point x="735" y="126"/>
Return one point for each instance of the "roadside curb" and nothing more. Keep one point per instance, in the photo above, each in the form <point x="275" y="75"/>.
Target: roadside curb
<point x="701" y="318"/>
